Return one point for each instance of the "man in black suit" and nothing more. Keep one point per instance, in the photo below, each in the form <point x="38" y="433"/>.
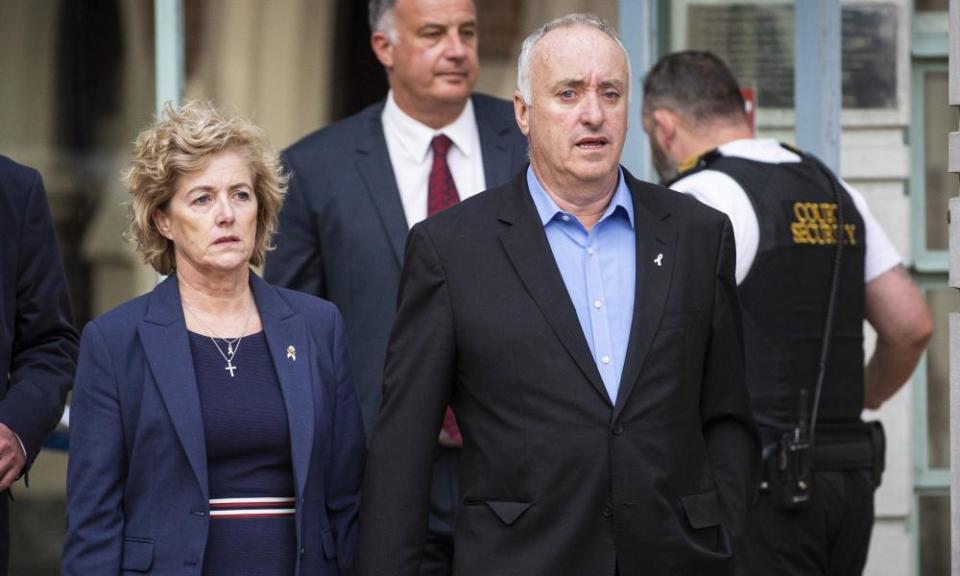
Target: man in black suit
<point x="358" y="185"/>
<point x="585" y="327"/>
<point x="38" y="343"/>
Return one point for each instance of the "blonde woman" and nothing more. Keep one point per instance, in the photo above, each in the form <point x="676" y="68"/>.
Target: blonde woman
<point x="215" y="428"/>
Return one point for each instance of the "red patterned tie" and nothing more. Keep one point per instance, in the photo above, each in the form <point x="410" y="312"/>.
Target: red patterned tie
<point x="442" y="194"/>
<point x="441" y="190"/>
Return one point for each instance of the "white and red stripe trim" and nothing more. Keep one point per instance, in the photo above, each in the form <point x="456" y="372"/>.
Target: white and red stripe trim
<point x="257" y="507"/>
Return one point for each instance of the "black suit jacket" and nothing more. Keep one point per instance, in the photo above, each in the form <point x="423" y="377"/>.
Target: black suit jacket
<point x="38" y="344"/>
<point x="342" y="226"/>
<point x="555" y="479"/>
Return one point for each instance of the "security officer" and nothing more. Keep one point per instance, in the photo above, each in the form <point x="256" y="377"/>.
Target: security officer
<point x="812" y="263"/>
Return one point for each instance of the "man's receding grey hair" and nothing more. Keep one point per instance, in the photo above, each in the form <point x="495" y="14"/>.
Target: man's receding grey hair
<point x="568" y="21"/>
<point x="380" y="16"/>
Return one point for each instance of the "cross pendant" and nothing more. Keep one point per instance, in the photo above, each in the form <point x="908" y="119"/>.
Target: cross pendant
<point x="231" y="368"/>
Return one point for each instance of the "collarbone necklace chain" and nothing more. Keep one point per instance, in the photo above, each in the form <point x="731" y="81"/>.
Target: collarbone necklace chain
<point x="231" y="349"/>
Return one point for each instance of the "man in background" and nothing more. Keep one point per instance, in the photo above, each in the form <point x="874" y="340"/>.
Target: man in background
<point x="357" y="186"/>
<point x="822" y="463"/>
<point x="38" y="343"/>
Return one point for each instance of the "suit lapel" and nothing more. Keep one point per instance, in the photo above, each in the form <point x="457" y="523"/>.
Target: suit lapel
<point x="376" y="172"/>
<point x="167" y="348"/>
<point x="494" y="143"/>
<point x="290" y="350"/>
<point x="528" y="250"/>
<point x="656" y="242"/>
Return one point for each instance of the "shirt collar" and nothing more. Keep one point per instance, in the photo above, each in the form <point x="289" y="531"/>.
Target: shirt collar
<point x="548" y="209"/>
<point x="415" y="136"/>
<point x="759" y="149"/>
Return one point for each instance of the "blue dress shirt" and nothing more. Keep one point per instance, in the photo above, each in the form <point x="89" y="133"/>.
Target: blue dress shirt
<point x="599" y="269"/>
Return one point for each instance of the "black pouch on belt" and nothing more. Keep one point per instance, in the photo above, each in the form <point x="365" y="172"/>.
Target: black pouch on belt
<point x="855" y="446"/>
<point x="878" y="440"/>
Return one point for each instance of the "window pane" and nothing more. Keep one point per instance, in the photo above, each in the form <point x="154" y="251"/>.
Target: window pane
<point x="931" y="5"/>
<point x="938" y="120"/>
<point x="757" y="42"/>
<point x="933" y="517"/>
<point x="941" y="302"/>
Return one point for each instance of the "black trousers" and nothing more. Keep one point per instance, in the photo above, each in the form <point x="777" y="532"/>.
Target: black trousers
<point x="444" y="503"/>
<point x="828" y="538"/>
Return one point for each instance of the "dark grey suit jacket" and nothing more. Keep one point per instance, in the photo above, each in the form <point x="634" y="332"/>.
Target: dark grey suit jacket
<point x="342" y="227"/>
<point x="555" y="478"/>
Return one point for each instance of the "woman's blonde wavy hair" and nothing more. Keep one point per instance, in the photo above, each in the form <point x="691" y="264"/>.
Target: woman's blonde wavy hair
<point x="181" y="142"/>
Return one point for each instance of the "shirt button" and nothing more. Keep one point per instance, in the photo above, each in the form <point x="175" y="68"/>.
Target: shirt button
<point x="607" y="511"/>
<point x="605" y="359"/>
<point x="565" y="218"/>
<point x="591" y="251"/>
<point x="303" y="551"/>
<point x="597" y="304"/>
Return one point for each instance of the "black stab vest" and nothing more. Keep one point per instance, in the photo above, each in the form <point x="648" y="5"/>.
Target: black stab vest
<point x="786" y="292"/>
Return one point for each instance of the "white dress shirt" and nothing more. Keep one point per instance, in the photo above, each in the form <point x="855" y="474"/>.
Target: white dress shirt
<point x="722" y="192"/>
<point x="408" y="143"/>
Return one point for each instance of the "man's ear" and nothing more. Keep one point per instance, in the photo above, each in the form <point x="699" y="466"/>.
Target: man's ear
<point x="382" y="48"/>
<point x="520" y="111"/>
<point x="664" y="124"/>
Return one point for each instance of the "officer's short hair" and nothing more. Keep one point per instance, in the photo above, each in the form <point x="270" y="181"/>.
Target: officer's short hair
<point x="694" y="84"/>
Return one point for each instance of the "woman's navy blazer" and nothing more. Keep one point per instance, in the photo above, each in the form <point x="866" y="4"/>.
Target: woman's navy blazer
<point x="137" y="492"/>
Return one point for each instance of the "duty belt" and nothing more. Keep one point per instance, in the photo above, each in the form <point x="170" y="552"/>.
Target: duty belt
<point x="846" y="446"/>
<point x="842" y="456"/>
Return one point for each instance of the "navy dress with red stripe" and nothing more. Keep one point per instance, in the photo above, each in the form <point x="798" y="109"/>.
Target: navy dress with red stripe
<point x="250" y="471"/>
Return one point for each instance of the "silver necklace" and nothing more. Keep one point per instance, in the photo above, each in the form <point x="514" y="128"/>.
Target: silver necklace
<point x="231" y="351"/>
